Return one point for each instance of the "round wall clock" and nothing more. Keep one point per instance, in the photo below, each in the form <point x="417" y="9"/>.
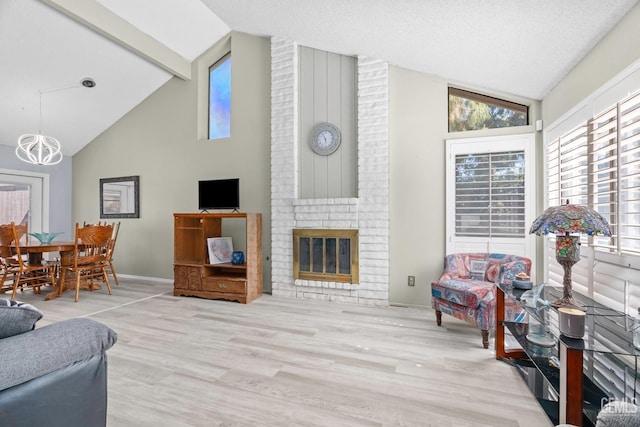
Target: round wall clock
<point x="325" y="139"/>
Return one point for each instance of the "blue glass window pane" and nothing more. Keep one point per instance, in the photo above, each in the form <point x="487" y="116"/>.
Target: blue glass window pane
<point x="220" y="99"/>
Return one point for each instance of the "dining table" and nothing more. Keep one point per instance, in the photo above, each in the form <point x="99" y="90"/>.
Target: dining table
<point x="35" y="250"/>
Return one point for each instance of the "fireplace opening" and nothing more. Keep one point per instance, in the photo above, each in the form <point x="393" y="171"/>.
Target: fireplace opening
<point x="325" y="255"/>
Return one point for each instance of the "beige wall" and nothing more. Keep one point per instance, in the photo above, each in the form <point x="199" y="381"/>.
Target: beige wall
<point x="417" y="130"/>
<point x="417" y="135"/>
<point x="616" y="51"/>
<point x="158" y="141"/>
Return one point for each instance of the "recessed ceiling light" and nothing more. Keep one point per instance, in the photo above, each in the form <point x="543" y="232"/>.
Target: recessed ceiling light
<point x="88" y="82"/>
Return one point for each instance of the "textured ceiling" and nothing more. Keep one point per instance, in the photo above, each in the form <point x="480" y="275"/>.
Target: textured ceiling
<point x="518" y="47"/>
<point x="511" y="47"/>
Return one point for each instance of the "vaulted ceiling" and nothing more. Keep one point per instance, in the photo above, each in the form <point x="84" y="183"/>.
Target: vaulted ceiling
<point x="132" y="47"/>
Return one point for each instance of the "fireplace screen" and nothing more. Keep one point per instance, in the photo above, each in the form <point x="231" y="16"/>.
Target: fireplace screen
<point x="325" y="255"/>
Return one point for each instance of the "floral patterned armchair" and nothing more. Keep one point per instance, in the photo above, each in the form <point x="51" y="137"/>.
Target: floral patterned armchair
<point x="466" y="288"/>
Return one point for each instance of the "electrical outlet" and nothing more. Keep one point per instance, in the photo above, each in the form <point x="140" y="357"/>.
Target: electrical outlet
<point x="412" y="281"/>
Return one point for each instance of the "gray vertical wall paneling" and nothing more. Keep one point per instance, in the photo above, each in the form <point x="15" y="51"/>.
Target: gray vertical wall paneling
<point x="320" y="113"/>
<point x="327" y="94"/>
<point x="334" y="115"/>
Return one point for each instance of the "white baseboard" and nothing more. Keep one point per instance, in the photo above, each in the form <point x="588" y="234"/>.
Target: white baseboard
<point x="134" y="277"/>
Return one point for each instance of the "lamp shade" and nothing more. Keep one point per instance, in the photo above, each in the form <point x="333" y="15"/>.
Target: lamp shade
<point x="564" y="221"/>
<point x="567" y="219"/>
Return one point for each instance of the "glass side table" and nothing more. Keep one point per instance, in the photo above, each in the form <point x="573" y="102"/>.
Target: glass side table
<point x="579" y="376"/>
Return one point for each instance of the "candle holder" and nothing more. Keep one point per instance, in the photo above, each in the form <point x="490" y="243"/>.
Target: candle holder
<point x="237" y="258"/>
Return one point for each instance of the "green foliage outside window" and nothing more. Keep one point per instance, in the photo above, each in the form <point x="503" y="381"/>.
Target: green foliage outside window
<point x="473" y="111"/>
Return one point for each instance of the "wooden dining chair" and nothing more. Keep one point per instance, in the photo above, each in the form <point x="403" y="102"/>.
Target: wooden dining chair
<point x="110" y="249"/>
<point x="16" y="267"/>
<point x="89" y="256"/>
<point x="110" y="269"/>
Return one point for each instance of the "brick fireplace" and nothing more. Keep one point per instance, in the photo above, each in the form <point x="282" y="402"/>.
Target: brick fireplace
<point x="368" y="213"/>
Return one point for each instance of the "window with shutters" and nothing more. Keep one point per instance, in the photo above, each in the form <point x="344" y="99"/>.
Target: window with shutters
<point x="597" y="164"/>
<point x="490" y="202"/>
<point x="490" y="197"/>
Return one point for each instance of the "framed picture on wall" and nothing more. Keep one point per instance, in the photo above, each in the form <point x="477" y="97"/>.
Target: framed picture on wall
<point x="220" y="249"/>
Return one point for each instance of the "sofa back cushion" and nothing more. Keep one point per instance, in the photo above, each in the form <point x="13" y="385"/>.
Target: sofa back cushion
<point x="486" y="267"/>
<point x="466" y="265"/>
<point x="17" y="317"/>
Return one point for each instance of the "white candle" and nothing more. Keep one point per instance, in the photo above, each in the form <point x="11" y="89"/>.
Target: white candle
<point x="571" y="322"/>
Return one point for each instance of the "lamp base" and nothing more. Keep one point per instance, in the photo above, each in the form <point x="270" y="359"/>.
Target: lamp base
<point x="568" y="302"/>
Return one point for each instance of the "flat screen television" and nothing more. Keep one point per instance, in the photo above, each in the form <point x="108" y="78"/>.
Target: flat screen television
<point x="219" y="194"/>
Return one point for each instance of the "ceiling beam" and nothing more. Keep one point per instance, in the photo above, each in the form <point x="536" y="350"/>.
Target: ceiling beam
<point x="100" y="19"/>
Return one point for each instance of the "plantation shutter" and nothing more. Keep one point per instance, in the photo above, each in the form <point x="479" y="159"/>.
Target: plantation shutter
<point x="597" y="164"/>
<point x="629" y="156"/>
<point x="608" y="143"/>
<point x="629" y="213"/>
<point x="490" y="194"/>
<point x="604" y="177"/>
<point x="567" y="173"/>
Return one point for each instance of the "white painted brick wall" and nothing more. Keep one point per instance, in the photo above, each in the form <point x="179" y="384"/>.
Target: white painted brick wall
<point x="284" y="158"/>
<point x="369" y="213"/>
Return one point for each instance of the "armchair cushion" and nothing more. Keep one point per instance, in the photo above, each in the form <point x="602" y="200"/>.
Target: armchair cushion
<point x="17" y="317"/>
<point x="467" y="292"/>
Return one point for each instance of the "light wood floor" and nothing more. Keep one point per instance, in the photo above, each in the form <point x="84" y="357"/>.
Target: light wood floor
<point x="183" y="361"/>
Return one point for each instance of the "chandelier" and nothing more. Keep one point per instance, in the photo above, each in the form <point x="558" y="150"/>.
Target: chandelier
<point x="39" y="149"/>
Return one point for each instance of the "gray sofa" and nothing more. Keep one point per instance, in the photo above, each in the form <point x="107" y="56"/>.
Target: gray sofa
<point x="55" y="375"/>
